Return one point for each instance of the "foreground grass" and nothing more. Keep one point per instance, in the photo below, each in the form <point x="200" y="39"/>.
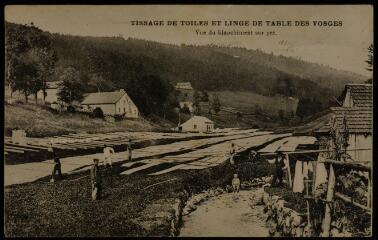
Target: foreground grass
<point x="128" y="209"/>
<point x="39" y="121"/>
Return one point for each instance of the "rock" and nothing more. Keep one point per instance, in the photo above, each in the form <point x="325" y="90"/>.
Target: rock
<point x="296" y="220"/>
<point x="268" y="179"/>
<point x="219" y="190"/>
<point x="185" y="211"/>
<point x="335" y="233"/>
<point x="308" y="231"/>
<point x="229" y="189"/>
<point x="298" y="232"/>
<point x="211" y="193"/>
<point x="288" y="221"/>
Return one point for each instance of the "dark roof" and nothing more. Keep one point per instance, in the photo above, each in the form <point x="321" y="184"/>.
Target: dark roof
<point x="103" y="97"/>
<point x="362" y="94"/>
<point x="358" y="119"/>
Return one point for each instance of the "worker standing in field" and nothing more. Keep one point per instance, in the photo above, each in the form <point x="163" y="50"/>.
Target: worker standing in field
<point x="108" y="151"/>
<point x="129" y="150"/>
<point x="236" y="184"/>
<point x="96" y="180"/>
<point x="57" y="170"/>
<point x="278" y="175"/>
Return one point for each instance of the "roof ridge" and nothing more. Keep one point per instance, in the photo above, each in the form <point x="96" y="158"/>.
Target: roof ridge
<point x="359" y="84"/>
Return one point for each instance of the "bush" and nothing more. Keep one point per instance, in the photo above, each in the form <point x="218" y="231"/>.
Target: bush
<point x="71" y="109"/>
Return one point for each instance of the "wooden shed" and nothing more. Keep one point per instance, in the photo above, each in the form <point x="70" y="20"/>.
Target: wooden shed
<point x="357" y="110"/>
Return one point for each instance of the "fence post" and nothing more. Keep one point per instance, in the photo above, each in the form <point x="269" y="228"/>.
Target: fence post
<point x="329" y="199"/>
<point x="288" y="171"/>
<point x="313" y="176"/>
<point x="369" y="191"/>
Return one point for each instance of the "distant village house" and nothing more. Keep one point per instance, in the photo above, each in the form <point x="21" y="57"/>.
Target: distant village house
<point x="197" y="124"/>
<point x="111" y="103"/>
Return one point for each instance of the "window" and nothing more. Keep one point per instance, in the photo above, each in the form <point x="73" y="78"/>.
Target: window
<point x="119" y="109"/>
<point x="195" y="126"/>
<point x="124" y="109"/>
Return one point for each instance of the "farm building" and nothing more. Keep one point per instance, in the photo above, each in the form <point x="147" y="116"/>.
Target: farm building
<point x="357" y="109"/>
<point x="186" y="94"/>
<point x="111" y="103"/>
<point x="197" y="124"/>
<point x="51" y="92"/>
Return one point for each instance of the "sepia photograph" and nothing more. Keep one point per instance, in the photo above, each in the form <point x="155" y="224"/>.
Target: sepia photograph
<point x="188" y="120"/>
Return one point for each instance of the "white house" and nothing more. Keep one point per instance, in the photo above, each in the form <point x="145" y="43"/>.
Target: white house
<point x="51" y="92"/>
<point x="111" y="103"/>
<point x="358" y="111"/>
<point x="197" y="124"/>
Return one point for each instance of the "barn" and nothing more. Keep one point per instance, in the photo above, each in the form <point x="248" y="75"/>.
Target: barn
<point x="197" y="124"/>
<point x="357" y="110"/>
<point x="111" y="104"/>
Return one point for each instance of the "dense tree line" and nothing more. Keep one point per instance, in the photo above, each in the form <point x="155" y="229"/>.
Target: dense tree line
<point x="109" y="63"/>
<point x="30" y="59"/>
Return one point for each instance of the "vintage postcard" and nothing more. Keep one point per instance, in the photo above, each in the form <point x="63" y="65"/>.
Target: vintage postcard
<point x="188" y="120"/>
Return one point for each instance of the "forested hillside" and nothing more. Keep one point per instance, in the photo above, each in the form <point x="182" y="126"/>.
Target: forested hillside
<point x="108" y="63"/>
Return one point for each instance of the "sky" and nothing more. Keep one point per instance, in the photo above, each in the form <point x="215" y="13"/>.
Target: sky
<point x="342" y="47"/>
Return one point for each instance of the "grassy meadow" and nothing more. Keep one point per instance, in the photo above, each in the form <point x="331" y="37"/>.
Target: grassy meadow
<point x="40" y="121"/>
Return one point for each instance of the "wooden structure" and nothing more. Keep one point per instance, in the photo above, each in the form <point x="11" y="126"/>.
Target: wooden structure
<point x="356" y="113"/>
<point x="197" y="124"/>
<point x="331" y="191"/>
<point x="111" y="103"/>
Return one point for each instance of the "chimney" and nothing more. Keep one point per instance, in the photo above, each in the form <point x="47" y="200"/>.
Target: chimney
<point x="122" y="90"/>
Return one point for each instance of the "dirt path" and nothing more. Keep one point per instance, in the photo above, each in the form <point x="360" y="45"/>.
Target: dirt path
<point x="224" y="216"/>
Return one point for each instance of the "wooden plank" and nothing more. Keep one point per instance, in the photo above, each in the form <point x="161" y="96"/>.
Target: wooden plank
<point x="353" y="165"/>
<point x="288" y="171"/>
<point x="21" y="148"/>
<point x="315" y="151"/>
<point x="350" y="200"/>
<point x="330" y="190"/>
<point x="26" y="146"/>
<point x="14" y="150"/>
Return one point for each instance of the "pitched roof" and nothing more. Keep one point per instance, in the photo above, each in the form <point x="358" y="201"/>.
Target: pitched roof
<point x="103" y="97"/>
<point x="184" y="85"/>
<point x="198" y="119"/>
<point x="358" y="119"/>
<point x="362" y="94"/>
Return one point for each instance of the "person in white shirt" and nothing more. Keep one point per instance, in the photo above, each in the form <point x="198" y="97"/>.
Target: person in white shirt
<point x="108" y="156"/>
<point x="236" y="184"/>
